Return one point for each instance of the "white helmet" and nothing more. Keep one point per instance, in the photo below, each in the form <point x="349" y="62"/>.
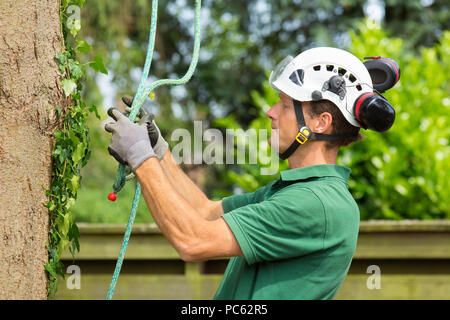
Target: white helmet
<point x="324" y="73"/>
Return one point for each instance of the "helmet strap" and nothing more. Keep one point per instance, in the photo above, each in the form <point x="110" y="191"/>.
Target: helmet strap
<point x="304" y="134"/>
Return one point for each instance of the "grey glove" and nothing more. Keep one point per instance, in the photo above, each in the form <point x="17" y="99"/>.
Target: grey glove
<point x="158" y="143"/>
<point x="130" y="144"/>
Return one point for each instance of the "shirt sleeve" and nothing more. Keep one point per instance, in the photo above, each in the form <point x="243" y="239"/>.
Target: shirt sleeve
<point x="289" y="224"/>
<point x="232" y="202"/>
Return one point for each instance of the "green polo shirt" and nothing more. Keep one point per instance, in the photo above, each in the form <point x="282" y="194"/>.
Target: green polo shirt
<point x="298" y="235"/>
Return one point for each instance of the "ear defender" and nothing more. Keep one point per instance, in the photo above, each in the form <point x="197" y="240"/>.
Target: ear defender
<point x="384" y="72"/>
<point x="373" y="111"/>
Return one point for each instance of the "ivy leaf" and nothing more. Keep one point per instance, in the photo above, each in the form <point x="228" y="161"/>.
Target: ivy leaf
<point x="67" y="218"/>
<point x="93" y="108"/>
<point x="74" y="234"/>
<point x="68" y="86"/>
<point x="74" y="184"/>
<point x="78" y="154"/>
<point x="74" y="26"/>
<point x="73" y="137"/>
<point x="83" y="46"/>
<point x="58" y="134"/>
<point x="98" y="65"/>
<point x="62" y="245"/>
<point x="75" y="69"/>
<point x="62" y="58"/>
<point x="64" y="227"/>
<point x="51" y="206"/>
<point x="50" y="269"/>
<point x="80" y="3"/>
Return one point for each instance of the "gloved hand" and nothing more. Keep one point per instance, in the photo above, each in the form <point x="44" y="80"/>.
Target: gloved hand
<point x="158" y="143"/>
<point x="130" y="144"/>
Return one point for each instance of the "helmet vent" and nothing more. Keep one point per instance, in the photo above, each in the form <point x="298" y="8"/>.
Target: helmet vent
<point x="297" y="77"/>
<point x="330" y="67"/>
<point x="359" y="87"/>
<point x="341" y="71"/>
<point x="316" y="68"/>
<point x="352" y="78"/>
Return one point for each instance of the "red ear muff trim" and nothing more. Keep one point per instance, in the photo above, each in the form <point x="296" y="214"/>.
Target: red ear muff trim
<point x="384" y="72"/>
<point x="358" y="104"/>
<point x="374" y="112"/>
<point x="395" y="67"/>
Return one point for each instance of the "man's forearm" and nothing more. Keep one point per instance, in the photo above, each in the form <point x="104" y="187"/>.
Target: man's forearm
<point x="188" y="190"/>
<point x="194" y="237"/>
<point x="173" y="215"/>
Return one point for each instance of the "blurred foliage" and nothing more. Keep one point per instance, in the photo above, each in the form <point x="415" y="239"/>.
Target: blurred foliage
<point x="405" y="172"/>
<point x="241" y="40"/>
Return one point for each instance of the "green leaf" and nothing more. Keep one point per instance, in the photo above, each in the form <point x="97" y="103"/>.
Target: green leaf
<point x="83" y="46"/>
<point x="79" y="152"/>
<point x="65" y="3"/>
<point x="75" y="27"/>
<point x="70" y="203"/>
<point x="98" y="65"/>
<point x="74" y="138"/>
<point x="62" y="58"/>
<point x="76" y="70"/>
<point x="62" y="245"/>
<point x="80" y="3"/>
<point x="74" y="184"/>
<point x="50" y="269"/>
<point x="64" y="226"/>
<point x="51" y="206"/>
<point x="93" y="108"/>
<point x="58" y="134"/>
<point x="68" y="86"/>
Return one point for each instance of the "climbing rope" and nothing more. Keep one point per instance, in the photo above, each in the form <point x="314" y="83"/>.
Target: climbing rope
<point x="142" y="92"/>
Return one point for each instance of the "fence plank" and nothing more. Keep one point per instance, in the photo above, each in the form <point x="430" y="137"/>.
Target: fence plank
<point x="413" y="256"/>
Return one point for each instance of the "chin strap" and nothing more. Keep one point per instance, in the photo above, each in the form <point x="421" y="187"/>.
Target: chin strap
<point x="304" y="134"/>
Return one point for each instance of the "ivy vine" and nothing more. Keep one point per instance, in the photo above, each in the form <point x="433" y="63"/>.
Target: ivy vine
<point x="72" y="145"/>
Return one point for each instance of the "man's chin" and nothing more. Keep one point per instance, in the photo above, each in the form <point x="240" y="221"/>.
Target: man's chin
<point x="273" y="144"/>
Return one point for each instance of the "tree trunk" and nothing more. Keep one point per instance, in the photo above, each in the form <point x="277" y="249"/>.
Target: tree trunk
<point x="30" y="36"/>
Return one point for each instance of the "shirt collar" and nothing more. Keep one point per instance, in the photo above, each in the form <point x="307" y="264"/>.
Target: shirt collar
<point x="317" y="171"/>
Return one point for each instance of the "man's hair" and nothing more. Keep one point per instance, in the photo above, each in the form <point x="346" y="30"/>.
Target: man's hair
<point x="339" y="124"/>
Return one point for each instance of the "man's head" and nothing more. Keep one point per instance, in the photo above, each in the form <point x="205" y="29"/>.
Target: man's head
<point x="321" y="117"/>
<point x="334" y="90"/>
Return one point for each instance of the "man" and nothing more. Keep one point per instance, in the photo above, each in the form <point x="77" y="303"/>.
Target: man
<point x="294" y="238"/>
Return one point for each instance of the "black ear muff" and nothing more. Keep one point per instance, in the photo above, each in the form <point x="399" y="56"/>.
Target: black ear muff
<point x="374" y="112"/>
<point x="384" y="72"/>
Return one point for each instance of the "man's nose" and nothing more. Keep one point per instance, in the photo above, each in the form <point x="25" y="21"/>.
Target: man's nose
<point x="272" y="112"/>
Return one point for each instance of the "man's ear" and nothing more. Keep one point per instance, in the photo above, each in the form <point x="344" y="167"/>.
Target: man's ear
<point x="323" y="123"/>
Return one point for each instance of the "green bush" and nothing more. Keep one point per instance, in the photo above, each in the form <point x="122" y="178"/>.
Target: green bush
<point x="403" y="173"/>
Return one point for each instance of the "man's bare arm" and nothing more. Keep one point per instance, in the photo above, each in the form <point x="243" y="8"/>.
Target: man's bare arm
<point x="179" y="180"/>
<point x="194" y="237"/>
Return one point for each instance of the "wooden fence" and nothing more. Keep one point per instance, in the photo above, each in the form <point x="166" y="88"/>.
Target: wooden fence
<point x="412" y="256"/>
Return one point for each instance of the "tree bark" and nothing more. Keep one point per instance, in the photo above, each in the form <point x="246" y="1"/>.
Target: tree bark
<point x="30" y="91"/>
